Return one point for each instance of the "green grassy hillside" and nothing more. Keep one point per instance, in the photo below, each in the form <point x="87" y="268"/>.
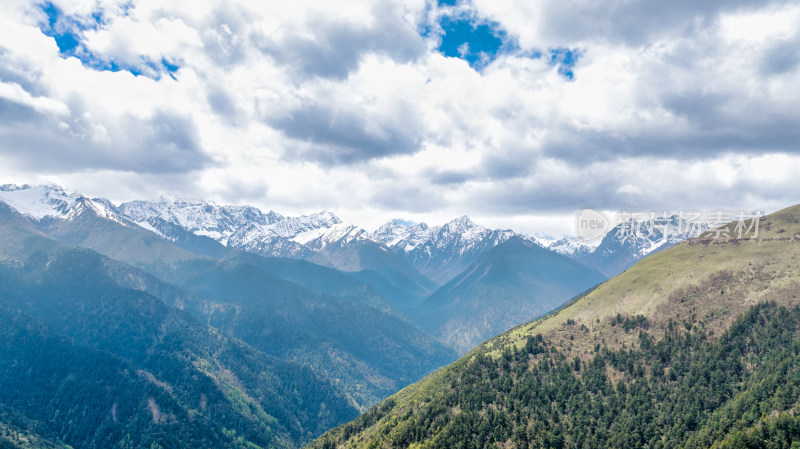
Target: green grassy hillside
<point x="696" y="346"/>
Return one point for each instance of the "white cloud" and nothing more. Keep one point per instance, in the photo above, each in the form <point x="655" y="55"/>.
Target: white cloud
<point x="15" y="93"/>
<point x="343" y="105"/>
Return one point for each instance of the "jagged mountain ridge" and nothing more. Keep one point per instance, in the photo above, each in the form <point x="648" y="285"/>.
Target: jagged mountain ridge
<point x="438" y="253"/>
<point x="442" y="252"/>
<point x="313" y="299"/>
<point x="510" y="284"/>
<point x="116" y="358"/>
<point x="696" y="346"/>
<point x="629" y="242"/>
<point x="321" y="238"/>
<point x="199" y="217"/>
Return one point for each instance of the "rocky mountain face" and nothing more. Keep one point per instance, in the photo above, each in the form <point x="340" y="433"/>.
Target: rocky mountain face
<point x="321" y="238"/>
<point x="292" y="311"/>
<point x="695" y="346"/>
<point x="629" y="242"/>
<point x="442" y="252"/>
<point x="513" y="282"/>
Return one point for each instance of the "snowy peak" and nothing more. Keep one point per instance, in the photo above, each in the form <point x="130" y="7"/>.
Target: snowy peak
<point x="461" y="224"/>
<point x="305" y="227"/>
<point x="573" y="246"/>
<point x="441" y="252"/>
<point x="645" y="236"/>
<point x="461" y="230"/>
<point x="639" y="236"/>
<point x="397" y="230"/>
<point x="101" y="208"/>
<point x="199" y="217"/>
<point x="630" y="241"/>
<point x="38" y="202"/>
<point x="52" y="201"/>
<point x="312" y="232"/>
<point x="339" y="234"/>
<point x="460" y="234"/>
<point x="245" y="227"/>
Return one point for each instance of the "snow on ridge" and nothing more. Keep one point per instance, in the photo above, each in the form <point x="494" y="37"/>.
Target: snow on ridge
<point x="151" y="228"/>
<point x="38" y="202"/>
<point x="570" y="246"/>
<point x="102" y="208"/>
<point x="290" y="227"/>
<point x="398" y="230"/>
<point x="199" y="217"/>
<point x="460" y="235"/>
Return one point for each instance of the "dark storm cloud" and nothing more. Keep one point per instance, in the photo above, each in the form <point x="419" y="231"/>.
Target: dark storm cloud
<point x="19" y="71"/>
<point x="165" y="143"/>
<point x="408" y="197"/>
<point x="636" y="22"/>
<point x="342" y="134"/>
<point x="221" y="102"/>
<point x="599" y="188"/>
<point x="517" y="196"/>
<point x="494" y="166"/>
<point x="509" y="165"/>
<point x="781" y="57"/>
<point x="336" y="48"/>
<point x="707" y="125"/>
<point x="447" y="177"/>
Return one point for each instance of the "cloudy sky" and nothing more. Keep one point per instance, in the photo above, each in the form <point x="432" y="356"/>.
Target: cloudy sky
<point x="518" y="113"/>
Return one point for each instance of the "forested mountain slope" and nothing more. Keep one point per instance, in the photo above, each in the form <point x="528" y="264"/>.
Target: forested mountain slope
<point x="693" y="347"/>
<point x="290" y="309"/>
<point x="89" y="362"/>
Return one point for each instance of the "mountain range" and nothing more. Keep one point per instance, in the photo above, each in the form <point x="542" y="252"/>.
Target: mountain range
<point x="695" y="346"/>
<point x="629" y="242"/>
<point x="321" y="238"/>
<point x="181" y="323"/>
<point x="408" y="264"/>
<point x="508" y="285"/>
<point x="289" y="362"/>
<point x="438" y="253"/>
<point x="442" y="252"/>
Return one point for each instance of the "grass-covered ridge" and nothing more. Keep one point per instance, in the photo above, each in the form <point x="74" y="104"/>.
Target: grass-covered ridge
<point x="684" y="390"/>
<point x="680" y="347"/>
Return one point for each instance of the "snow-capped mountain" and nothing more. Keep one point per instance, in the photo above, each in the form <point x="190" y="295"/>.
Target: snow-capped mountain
<point x="204" y="228"/>
<point x="395" y="231"/>
<point x="38" y="202"/>
<point x="442" y="252"/>
<point x="439" y="252"/>
<point x="255" y="239"/>
<point x="322" y="238"/>
<point x="198" y="217"/>
<point x="245" y="227"/>
<point x="50" y="201"/>
<point x="631" y="241"/>
<point x="573" y="247"/>
<point x="305" y="228"/>
<point x="97" y="224"/>
<point x="303" y="237"/>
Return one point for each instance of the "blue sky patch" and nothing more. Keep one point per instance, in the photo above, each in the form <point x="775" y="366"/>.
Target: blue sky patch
<point x="477" y="42"/>
<point x="565" y="59"/>
<point x="67" y="32"/>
